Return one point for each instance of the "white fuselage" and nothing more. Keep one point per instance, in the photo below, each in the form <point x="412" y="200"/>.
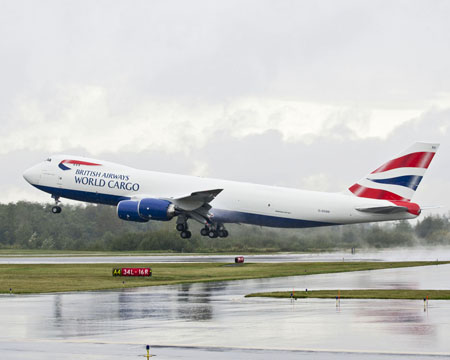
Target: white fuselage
<point x="109" y="183"/>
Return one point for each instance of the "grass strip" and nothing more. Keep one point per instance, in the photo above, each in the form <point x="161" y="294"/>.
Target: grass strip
<point x="44" y="278"/>
<point x="361" y="294"/>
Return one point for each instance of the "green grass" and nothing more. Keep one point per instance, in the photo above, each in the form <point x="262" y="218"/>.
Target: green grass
<point x="38" y="278"/>
<point x="361" y="294"/>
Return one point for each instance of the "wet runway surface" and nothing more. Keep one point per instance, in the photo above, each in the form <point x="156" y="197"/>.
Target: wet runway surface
<point x="408" y="254"/>
<point x="215" y="320"/>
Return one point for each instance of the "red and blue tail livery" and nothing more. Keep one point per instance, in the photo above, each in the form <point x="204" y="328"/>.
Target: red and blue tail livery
<point x="141" y="195"/>
<point x="397" y="179"/>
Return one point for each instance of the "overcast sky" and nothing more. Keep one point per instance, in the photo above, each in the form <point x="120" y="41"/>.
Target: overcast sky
<point x="307" y="94"/>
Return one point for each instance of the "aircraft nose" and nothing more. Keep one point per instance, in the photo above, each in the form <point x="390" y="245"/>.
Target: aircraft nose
<point x="32" y="175"/>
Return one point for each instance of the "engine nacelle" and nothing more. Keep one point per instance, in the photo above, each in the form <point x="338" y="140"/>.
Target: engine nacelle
<point x="156" y="209"/>
<point x="145" y="209"/>
<point x="129" y="210"/>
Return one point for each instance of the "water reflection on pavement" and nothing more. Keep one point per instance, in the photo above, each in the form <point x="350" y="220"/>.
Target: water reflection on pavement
<point x="214" y="319"/>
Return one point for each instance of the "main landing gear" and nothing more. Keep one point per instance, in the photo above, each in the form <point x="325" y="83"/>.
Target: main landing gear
<point x="214" y="231"/>
<point x="210" y="230"/>
<point x="56" y="209"/>
<point x="182" y="227"/>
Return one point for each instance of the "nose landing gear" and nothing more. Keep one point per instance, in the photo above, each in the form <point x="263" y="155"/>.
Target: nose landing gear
<point x="56" y="209"/>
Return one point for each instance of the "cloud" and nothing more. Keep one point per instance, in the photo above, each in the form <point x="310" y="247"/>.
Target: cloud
<point x="292" y="93"/>
<point x="325" y="163"/>
<point x="94" y="118"/>
<point x="377" y="52"/>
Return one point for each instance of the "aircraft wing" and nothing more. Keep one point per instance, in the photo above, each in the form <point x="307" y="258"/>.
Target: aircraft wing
<point x="384" y="209"/>
<point x="196" y="200"/>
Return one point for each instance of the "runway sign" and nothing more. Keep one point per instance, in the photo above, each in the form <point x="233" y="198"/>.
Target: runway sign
<point x="132" y="272"/>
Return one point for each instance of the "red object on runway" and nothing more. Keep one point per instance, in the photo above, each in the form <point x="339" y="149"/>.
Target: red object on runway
<point x="239" y="259"/>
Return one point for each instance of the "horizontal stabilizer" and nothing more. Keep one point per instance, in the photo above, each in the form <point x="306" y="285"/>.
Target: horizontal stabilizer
<point x="384" y="209"/>
<point x="432" y="207"/>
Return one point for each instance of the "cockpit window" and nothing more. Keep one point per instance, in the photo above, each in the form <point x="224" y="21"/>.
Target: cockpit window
<point x="49" y="159"/>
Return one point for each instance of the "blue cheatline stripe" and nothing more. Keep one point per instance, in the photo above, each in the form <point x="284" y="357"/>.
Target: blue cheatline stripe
<point x="409" y="181"/>
<point x="229" y="216"/>
<point x="86" y="196"/>
<point x="220" y="216"/>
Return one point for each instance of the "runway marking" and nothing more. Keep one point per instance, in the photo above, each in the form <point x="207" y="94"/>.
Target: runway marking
<point x="218" y="347"/>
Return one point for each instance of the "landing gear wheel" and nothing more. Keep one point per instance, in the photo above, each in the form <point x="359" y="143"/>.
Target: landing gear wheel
<point x="185" y="234"/>
<point x="223" y="233"/>
<point x="181" y="227"/>
<point x="204" y="231"/>
<point x="212" y="234"/>
<point x="56" y="209"/>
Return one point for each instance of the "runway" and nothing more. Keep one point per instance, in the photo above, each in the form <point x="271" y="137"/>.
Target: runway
<point x="109" y="351"/>
<point x="215" y="320"/>
<point x="398" y="254"/>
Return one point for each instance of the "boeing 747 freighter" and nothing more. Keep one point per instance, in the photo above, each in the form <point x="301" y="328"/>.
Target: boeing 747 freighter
<point x="139" y="195"/>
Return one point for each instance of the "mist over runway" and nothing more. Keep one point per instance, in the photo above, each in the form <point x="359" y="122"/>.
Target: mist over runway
<point x="396" y="254"/>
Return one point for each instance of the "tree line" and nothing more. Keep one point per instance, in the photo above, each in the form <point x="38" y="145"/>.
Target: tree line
<point x="26" y="225"/>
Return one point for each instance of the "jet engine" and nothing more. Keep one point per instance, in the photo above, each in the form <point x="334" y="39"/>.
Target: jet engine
<point x="156" y="209"/>
<point x="145" y="209"/>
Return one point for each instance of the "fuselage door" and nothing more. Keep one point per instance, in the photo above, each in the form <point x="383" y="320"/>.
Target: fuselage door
<point x="59" y="180"/>
<point x="48" y="179"/>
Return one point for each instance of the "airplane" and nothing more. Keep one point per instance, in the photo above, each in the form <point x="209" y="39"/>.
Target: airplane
<point x="139" y="195"/>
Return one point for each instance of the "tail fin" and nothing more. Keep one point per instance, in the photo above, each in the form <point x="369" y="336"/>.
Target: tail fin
<point x="398" y="179"/>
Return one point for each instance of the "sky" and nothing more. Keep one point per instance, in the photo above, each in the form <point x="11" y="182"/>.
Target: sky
<point x="303" y="94"/>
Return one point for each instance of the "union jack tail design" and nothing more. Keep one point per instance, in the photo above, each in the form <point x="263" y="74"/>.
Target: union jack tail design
<point x="398" y="179"/>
